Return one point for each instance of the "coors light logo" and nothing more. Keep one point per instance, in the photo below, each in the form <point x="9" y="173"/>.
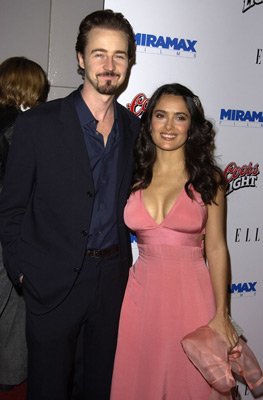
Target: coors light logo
<point x="248" y="4"/>
<point x="138" y="104"/>
<point x="239" y="177"/>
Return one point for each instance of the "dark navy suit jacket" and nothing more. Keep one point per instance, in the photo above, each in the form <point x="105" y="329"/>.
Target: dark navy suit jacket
<point x="47" y="200"/>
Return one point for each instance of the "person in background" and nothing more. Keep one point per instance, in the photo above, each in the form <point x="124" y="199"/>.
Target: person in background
<point x="176" y="209"/>
<point x="23" y="84"/>
<point x="61" y="218"/>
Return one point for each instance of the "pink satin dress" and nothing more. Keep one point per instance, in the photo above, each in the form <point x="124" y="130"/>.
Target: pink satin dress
<point x="168" y="295"/>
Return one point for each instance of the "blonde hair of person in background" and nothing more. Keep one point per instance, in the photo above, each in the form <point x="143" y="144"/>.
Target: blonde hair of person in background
<point x="23" y="83"/>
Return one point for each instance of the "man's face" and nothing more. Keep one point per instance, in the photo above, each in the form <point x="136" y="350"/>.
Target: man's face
<point x="105" y="60"/>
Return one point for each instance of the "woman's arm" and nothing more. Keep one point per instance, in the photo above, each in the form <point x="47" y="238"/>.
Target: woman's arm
<point x="218" y="262"/>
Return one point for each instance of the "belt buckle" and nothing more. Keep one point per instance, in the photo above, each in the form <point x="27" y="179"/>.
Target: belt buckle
<point x="97" y="253"/>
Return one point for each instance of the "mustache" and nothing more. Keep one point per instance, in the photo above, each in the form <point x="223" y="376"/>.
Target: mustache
<point x="109" y="73"/>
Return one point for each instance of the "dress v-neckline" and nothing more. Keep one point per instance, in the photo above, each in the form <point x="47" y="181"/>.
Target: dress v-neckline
<point x="169" y="212"/>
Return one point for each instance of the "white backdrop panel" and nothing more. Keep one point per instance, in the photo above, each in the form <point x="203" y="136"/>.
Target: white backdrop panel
<point x="224" y="69"/>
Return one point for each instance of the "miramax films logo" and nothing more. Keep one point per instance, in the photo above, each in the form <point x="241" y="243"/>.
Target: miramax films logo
<point x="241" y="289"/>
<point x="165" y="45"/>
<point x="241" y="118"/>
<point x="240" y="177"/>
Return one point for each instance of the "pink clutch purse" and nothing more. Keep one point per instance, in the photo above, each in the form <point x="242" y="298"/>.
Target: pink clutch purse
<point x="208" y="352"/>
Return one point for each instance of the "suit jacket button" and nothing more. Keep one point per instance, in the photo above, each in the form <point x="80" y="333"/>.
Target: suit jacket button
<point x="76" y="270"/>
<point x="89" y="194"/>
<point x="84" y="233"/>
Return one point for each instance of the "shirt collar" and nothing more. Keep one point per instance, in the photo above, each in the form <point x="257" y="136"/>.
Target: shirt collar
<point x="84" y="113"/>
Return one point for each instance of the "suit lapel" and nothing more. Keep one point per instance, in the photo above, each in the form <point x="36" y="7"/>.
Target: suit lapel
<point x="125" y="143"/>
<point x="73" y="135"/>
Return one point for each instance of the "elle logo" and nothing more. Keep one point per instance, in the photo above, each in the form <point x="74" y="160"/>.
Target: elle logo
<point x="258" y="57"/>
<point x="247" y="235"/>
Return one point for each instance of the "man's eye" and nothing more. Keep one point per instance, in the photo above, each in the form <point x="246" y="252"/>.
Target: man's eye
<point x="119" y="57"/>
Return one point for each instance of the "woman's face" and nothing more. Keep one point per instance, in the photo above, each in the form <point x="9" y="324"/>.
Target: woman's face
<point x="170" y="123"/>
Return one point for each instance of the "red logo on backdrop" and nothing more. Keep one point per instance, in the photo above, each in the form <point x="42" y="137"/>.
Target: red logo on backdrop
<point x="239" y="177"/>
<point x="138" y="104"/>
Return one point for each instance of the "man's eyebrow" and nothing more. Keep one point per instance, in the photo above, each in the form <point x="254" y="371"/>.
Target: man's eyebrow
<point x="95" y="50"/>
<point x="105" y="51"/>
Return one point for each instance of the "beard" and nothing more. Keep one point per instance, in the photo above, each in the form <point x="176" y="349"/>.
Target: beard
<point x="106" y="88"/>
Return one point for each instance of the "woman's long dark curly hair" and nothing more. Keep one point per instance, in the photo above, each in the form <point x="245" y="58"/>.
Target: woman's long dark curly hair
<point x="204" y="175"/>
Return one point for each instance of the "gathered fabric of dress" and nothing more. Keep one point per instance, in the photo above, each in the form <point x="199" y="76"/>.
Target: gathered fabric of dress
<point x="13" y="348"/>
<point x="169" y="294"/>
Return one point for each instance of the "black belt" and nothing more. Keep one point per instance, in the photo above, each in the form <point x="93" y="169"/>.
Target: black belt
<point x="102" y="253"/>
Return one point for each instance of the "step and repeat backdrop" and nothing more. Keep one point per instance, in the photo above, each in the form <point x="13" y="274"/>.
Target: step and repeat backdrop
<point x="216" y="49"/>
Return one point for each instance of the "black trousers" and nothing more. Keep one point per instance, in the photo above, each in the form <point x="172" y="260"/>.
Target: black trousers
<point x="71" y="348"/>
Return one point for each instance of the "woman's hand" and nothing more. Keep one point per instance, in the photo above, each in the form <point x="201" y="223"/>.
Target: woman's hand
<point x="221" y="324"/>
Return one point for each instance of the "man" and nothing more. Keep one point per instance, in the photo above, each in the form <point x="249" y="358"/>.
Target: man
<point x="61" y="217"/>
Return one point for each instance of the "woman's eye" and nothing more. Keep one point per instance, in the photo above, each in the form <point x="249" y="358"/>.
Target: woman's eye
<point x="182" y="118"/>
<point x="159" y="115"/>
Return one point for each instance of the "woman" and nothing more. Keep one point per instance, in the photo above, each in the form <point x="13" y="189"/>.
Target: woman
<point x="23" y="84"/>
<point x="177" y="210"/>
